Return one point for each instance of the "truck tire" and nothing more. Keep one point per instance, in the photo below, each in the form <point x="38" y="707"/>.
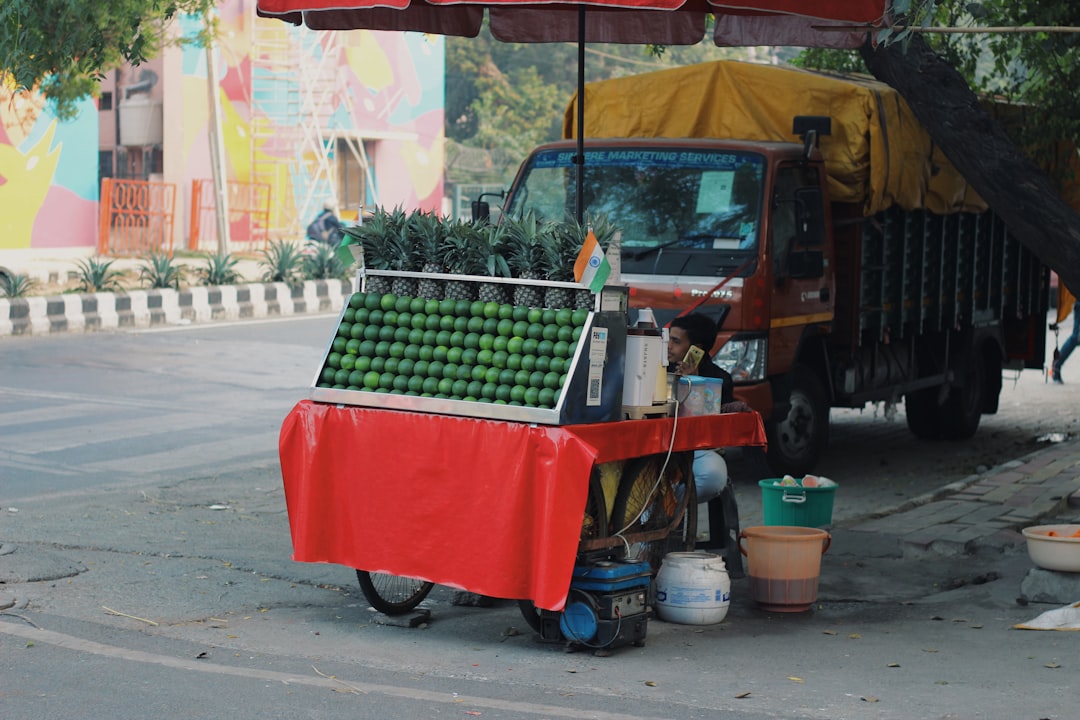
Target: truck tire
<point x="797" y="438"/>
<point x="962" y="410"/>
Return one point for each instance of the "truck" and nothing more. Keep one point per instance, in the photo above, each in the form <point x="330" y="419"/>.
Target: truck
<point x="844" y="259"/>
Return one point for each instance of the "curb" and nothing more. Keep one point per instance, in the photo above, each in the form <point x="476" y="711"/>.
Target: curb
<point x="86" y="312"/>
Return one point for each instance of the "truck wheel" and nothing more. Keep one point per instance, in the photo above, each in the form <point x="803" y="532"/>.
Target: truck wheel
<point x="962" y="410"/>
<point x="797" y="439"/>
<point x="923" y="414"/>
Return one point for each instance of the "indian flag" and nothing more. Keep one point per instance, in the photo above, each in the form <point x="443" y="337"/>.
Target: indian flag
<point x="591" y="268"/>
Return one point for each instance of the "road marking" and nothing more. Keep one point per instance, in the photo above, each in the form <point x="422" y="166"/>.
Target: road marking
<point x="228" y="323"/>
<point x="69" y="642"/>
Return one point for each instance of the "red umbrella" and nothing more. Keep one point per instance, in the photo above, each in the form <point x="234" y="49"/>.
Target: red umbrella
<point x="802" y="23"/>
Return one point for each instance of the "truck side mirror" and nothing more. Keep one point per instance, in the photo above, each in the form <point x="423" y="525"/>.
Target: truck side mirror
<point x="481" y="210"/>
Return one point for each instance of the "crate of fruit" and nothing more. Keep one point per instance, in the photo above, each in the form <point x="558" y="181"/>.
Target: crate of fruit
<point x="462" y="355"/>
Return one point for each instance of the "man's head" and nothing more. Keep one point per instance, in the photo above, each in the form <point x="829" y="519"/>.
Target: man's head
<point x="692" y="329"/>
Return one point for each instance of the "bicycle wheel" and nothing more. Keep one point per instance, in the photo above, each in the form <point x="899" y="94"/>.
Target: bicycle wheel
<point x="392" y="594"/>
<point x="647" y="502"/>
<point x="594" y="524"/>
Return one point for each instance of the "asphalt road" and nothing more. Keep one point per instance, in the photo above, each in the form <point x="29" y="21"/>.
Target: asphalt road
<point x="139" y="485"/>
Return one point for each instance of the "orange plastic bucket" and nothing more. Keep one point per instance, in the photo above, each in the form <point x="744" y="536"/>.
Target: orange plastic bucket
<point x="783" y="565"/>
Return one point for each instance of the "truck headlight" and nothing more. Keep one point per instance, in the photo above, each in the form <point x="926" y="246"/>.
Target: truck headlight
<point x="744" y="358"/>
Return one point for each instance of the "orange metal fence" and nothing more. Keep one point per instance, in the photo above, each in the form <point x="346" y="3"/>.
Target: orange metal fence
<point x="136" y="217"/>
<point x="249" y="215"/>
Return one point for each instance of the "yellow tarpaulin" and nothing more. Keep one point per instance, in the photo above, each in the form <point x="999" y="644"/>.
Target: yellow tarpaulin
<point x="878" y="154"/>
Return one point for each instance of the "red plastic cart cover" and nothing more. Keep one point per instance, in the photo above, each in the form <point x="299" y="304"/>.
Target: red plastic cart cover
<point x="488" y="506"/>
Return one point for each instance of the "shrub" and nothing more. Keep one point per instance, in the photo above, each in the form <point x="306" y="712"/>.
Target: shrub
<point x="282" y="262"/>
<point x="160" y="271"/>
<point x="322" y="263"/>
<point x="98" y="275"/>
<point x="220" y="269"/>
<point x="16" y="284"/>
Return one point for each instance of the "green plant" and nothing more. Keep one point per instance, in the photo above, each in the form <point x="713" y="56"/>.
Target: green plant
<point x="98" y="275"/>
<point x="220" y="269"/>
<point x="282" y="261"/>
<point x="16" y="284"/>
<point x="160" y="271"/>
<point x="323" y="263"/>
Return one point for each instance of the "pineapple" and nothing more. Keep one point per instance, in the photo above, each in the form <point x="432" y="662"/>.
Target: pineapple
<point x="525" y="256"/>
<point x="403" y="286"/>
<point x="462" y="255"/>
<point x="429" y="234"/>
<point x="375" y="235"/>
<point x="494" y="264"/>
<point x="558" y="263"/>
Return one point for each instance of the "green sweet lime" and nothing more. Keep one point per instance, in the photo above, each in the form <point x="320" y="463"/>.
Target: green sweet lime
<point x="363" y="364"/>
<point x="532" y="397"/>
<point x="498" y="359"/>
<point x="551" y="332"/>
<point x="357" y="299"/>
<point x="520" y="312"/>
<point x="564" y="316"/>
<point x="543" y="363"/>
<point x="347" y="362"/>
<point x="489" y="391"/>
<point x="446" y="322"/>
<point x="419" y="321"/>
<point x="528" y="362"/>
<point x="450" y="370"/>
<point x="520" y="328"/>
<point x="431" y="385"/>
<point x="578" y="317"/>
<point x="503" y="392"/>
<point x="417" y="305"/>
<point x="468" y="356"/>
<point x="404" y="319"/>
<point x="386" y="332"/>
<point x="443" y="337"/>
<point x="401" y="335"/>
<point x="492" y="375"/>
<point x="431" y="307"/>
<point x="432" y="321"/>
<point x="457" y="338"/>
<point x="371" y="379"/>
<point x="405" y="366"/>
<point x="546" y="398"/>
<point x="547" y="316"/>
<point x="474" y="389"/>
<point x="453" y="354"/>
<point x="349" y="315"/>
<point x="371" y="332"/>
<point x="372" y="301"/>
<point x="535" y="315"/>
<point x="506" y="311"/>
<point x="536" y="379"/>
<point x="378" y="364"/>
<point x="402" y="304"/>
<point x="521" y="377"/>
<point x="478" y="372"/>
<point x="517" y="394"/>
<point x="562" y="349"/>
<point x="462" y="308"/>
<point x="358" y="331"/>
<point x="475" y="324"/>
<point x="535" y="331"/>
<point x="328" y="374"/>
<point x="334" y="360"/>
<point x="388" y="301"/>
<point x="446" y="307"/>
<point x="476" y="308"/>
<point x="375" y="317"/>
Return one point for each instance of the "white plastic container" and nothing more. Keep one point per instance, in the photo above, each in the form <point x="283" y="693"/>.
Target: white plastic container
<point x="644" y="359"/>
<point x="692" y="588"/>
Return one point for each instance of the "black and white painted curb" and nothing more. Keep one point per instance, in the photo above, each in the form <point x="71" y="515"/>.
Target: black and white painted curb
<point x="85" y="312"/>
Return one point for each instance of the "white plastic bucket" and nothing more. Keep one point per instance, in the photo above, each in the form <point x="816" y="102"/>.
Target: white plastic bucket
<point x="692" y="588"/>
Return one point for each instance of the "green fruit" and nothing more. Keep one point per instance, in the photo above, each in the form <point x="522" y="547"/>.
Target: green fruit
<point x="513" y="361"/>
<point x="334" y="360"/>
<point x="371" y="379"/>
<point x="464" y="372"/>
<point x="484" y="357"/>
<point x="506" y="311"/>
<point x="517" y="394"/>
<point x="446" y="307"/>
<point x="431" y="337"/>
<point x="505" y="327"/>
<point x="450" y="370"/>
<point x="363" y="364"/>
<point x="416" y="383"/>
<point x="402" y="304"/>
<point x="453" y="354"/>
<point x="361" y="315"/>
<point x="491" y="326"/>
<point x="390" y="317"/>
<point x="564" y="316"/>
<point x="346" y="346"/>
<point x="536" y="379"/>
<point x="547" y="316"/>
<point x="461" y="324"/>
<point x="489" y="391"/>
<point x="404" y="319"/>
<point x="514" y="345"/>
<point x="417" y="305"/>
<point x="500" y="342"/>
<point x="401" y="382"/>
<point x="446" y="322"/>
<point x="435" y="369"/>
<point x="446" y="386"/>
<point x="412" y="351"/>
<point x="419" y="321"/>
<point x="356" y="378"/>
<point x="443" y="337"/>
<point x="386" y="332"/>
<point x="578" y="317"/>
<point x="498" y="359"/>
<point x="405" y="366"/>
<point x="347" y="362"/>
<point x="349" y="315"/>
<point x="468" y="356"/>
<point x="551" y="332"/>
<point x="552" y="380"/>
<point x="415" y="337"/>
<point x="532" y="396"/>
<point x="521" y="329"/>
<point x="520" y="313"/>
<point x="546" y="398"/>
<point x="576" y="334"/>
<point x="535" y="316"/>
<point x="431" y="385"/>
<point x="328" y="374"/>
<point x="375" y="317"/>
<point x="371" y="332"/>
<point x="545" y="347"/>
<point x="558" y="365"/>
<point x="543" y="363"/>
<point x="503" y="393"/>
<point x="529" y="346"/>
<point x="566" y="333"/>
<point x="372" y="302"/>
<point x="492" y="375"/>
<point x="475" y="388"/>
<point x="457" y="339"/>
<point x="506" y="377"/>
<point x="382" y="348"/>
<point x="459" y="388"/>
<point x="401" y="335"/>
<point x="475" y="324"/>
<point x="357" y="331"/>
<point x="432" y="321"/>
<point x="431" y="307"/>
<point x="462" y="308"/>
<point x="427" y="352"/>
<point x="386" y="380"/>
<point x="478" y="372"/>
<point x="472" y="340"/>
<point x="344" y="329"/>
<point x="367" y="348"/>
<point x="521" y="377"/>
<point x="397" y="350"/>
<point x="528" y="362"/>
<point x="476" y="308"/>
<point x="357" y="300"/>
<point x="378" y="364"/>
<point x="388" y="301"/>
<point x="535" y="331"/>
<point x="420" y="367"/>
<point x="562" y="349"/>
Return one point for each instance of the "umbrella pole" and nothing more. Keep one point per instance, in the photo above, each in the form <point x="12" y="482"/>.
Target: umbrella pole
<point x="579" y="161"/>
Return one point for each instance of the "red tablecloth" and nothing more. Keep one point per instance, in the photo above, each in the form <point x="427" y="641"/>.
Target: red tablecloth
<point x="488" y="506"/>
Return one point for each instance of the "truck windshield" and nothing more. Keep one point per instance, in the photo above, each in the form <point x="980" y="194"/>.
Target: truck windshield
<point x="681" y="211"/>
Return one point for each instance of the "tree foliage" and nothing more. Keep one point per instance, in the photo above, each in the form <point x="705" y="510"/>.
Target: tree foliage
<point x="62" y="48"/>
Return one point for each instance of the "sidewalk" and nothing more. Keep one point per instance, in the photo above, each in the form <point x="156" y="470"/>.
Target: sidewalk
<point x="80" y="312"/>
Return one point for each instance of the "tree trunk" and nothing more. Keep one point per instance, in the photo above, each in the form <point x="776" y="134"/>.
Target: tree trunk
<point x="1013" y="185"/>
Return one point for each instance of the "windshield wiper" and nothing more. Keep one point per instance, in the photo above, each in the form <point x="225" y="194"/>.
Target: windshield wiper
<point x="640" y="254"/>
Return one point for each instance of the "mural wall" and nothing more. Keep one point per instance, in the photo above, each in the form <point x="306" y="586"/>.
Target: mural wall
<point x="392" y="97"/>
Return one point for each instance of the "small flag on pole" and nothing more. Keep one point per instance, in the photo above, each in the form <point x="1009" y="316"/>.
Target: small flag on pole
<point x="591" y="268"/>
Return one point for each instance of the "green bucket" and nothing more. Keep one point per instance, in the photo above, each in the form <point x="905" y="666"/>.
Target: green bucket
<point x="796" y="505"/>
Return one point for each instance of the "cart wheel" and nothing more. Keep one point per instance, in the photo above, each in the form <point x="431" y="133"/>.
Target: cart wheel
<point x="647" y="501"/>
<point x="392" y="594"/>
<point x="530" y="613"/>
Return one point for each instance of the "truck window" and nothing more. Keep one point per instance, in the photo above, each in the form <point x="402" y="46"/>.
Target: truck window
<point x="788" y="180"/>
<point x="685" y="212"/>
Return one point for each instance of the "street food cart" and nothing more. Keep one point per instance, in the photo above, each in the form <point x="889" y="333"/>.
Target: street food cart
<point x="504" y="499"/>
